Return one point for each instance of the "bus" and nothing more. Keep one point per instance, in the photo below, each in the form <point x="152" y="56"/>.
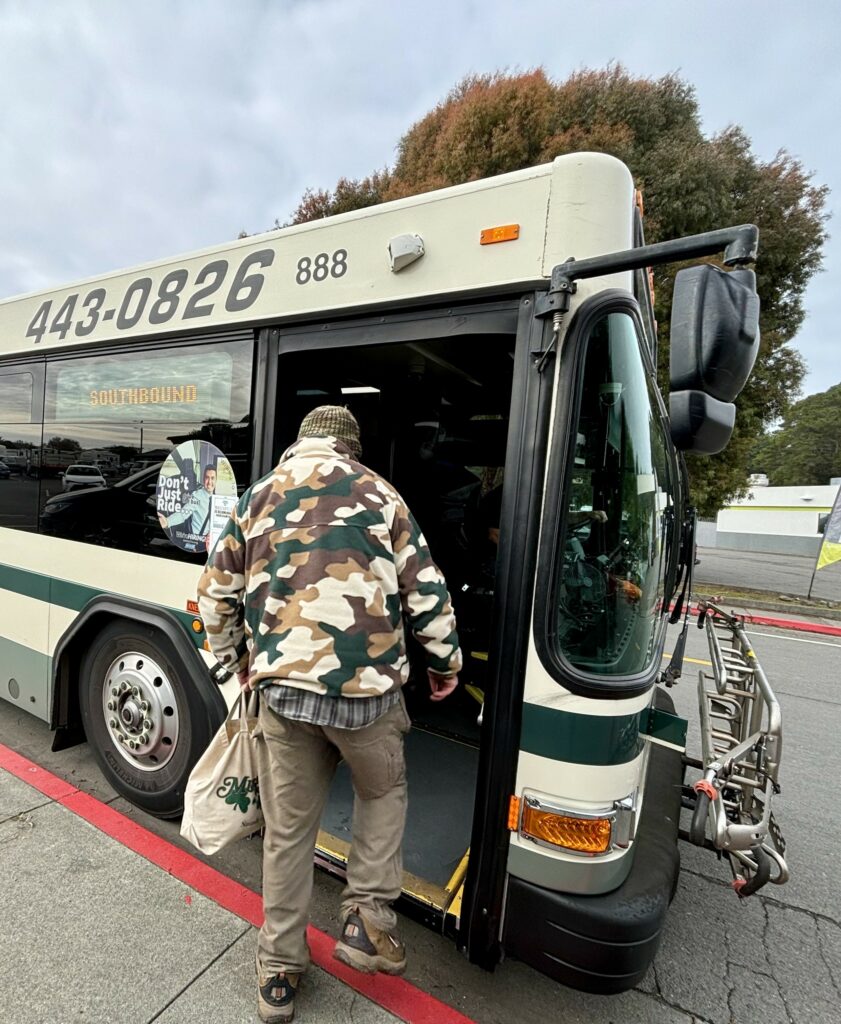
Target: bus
<point x="497" y="343"/>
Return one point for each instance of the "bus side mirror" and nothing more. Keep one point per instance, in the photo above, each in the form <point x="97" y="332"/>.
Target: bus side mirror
<point x="699" y="422"/>
<point x="713" y="345"/>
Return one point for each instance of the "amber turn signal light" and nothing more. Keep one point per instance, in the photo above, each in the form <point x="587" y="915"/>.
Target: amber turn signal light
<point x="584" y="835"/>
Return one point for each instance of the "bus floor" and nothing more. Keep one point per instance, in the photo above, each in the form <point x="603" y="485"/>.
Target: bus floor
<point x="441" y="774"/>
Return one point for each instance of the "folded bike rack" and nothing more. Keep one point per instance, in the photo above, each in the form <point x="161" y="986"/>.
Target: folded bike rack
<point x="741" y="741"/>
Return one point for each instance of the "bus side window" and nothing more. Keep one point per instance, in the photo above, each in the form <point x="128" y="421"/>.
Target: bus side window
<point x="21" y="398"/>
<point x="117" y="418"/>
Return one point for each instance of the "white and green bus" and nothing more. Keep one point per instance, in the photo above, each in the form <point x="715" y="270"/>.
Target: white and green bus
<point x="496" y="341"/>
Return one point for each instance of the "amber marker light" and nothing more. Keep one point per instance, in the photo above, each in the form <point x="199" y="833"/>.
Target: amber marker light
<point x="583" y="835"/>
<point x="513" y="813"/>
<point x="502" y="233"/>
<point x="198" y="626"/>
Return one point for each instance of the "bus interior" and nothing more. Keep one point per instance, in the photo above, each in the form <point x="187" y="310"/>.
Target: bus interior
<point x="434" y="419"/>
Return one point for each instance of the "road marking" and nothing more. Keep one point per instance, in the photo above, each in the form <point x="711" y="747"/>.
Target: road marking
<point x="396" y="995"/>
<point x="697" y="661"/>
<point x="796" y="639"/>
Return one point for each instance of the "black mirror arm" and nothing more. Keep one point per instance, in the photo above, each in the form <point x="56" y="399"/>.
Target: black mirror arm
<point x="740" y="245"/>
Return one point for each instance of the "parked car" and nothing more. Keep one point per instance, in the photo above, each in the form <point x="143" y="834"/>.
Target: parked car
<point x="122" y="515"/>
<point x="75" y="477"/>
<point x="5" y="472"/>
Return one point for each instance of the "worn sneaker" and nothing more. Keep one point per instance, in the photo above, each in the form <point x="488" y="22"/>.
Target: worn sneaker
<point x="276" y="997"/>
<point x="369" y="949"/>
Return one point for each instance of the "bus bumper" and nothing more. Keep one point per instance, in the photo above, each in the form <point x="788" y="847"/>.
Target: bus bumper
<point x="606" y="943"/>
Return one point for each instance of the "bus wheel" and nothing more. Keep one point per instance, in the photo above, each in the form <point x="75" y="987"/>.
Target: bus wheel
<point x="141" y="716"/>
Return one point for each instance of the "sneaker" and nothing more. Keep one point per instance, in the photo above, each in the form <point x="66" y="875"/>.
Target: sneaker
<point x="276" y="997"/>
<point x="368" y="949"/>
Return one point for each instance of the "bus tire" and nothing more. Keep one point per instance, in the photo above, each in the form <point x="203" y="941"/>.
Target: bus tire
<point x="142" y="714"/>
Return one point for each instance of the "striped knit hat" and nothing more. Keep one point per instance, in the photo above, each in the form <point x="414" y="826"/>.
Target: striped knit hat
<point x="335" y="421"/>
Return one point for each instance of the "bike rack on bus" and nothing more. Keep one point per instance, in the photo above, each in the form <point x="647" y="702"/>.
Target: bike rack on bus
<point x="741" y="741"/>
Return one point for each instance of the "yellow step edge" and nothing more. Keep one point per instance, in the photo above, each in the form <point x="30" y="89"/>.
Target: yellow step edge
<point x="419" y="888"/>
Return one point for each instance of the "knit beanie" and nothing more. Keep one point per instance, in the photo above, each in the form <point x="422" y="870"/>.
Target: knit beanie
<point x="335" y="421"/>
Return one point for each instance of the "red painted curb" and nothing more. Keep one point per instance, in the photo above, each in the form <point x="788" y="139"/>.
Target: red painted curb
<point x="795" y="624"/>
<point x="396" y="995"/>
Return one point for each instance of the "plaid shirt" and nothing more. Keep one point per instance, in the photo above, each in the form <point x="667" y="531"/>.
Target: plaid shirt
<point x="324" y="710"/>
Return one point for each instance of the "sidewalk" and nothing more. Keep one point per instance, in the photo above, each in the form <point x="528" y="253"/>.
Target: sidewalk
<point x="773" y="616"/>
<point x="102" y="921"/>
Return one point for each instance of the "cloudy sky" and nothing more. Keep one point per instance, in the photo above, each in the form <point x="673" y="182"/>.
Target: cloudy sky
<point x="132" y="131"/>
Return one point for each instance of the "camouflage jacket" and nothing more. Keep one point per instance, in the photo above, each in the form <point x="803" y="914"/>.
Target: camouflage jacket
<point x="312" y="575"/>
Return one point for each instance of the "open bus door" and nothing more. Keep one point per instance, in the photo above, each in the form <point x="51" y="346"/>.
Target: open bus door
<point x="448" y="406"/>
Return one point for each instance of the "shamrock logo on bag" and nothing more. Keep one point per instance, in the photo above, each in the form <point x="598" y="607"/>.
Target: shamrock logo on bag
<point x="240" y="792"/>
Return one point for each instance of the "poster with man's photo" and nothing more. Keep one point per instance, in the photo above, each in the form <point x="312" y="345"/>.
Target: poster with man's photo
<point x="197" y="492"/>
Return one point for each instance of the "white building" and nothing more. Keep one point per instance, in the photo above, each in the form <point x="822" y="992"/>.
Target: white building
<point x="783" y="520"/>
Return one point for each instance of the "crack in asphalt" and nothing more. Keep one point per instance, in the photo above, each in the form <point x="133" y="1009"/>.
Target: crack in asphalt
<point x="815" y="914"/>
<point x="658" y="997"/>
<point x="768" y="903"/>
<point x="772" y="900"/>
<point x="829" y="971"/>
<point x="692" y="1014"/>
<point x="657" y="985"/>
<point x="731" y="990"/>
<point x="814" y="700"/>
<point x="728" y="980"/>
<point x="767" y="947"/>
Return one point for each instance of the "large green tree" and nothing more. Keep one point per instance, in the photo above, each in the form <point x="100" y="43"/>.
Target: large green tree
<point x="691" y="182"/>
<point x="807" y="447"/>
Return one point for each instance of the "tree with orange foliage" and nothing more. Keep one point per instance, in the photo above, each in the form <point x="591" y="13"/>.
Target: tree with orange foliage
<point x="491" y="124"/>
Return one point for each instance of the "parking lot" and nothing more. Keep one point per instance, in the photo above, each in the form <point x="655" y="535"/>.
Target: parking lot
<point x="776" y="574"/>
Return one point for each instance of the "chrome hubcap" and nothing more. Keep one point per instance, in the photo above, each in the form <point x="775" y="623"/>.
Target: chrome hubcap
<point x="138" y="703"/>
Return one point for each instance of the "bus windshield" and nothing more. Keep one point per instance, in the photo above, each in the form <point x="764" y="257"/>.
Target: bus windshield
<point x="609" y="583"/>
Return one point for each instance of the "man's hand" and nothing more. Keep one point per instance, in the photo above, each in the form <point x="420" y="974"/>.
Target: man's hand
<point x="630" y="591"/>
<point x="441" y="686"/>
<point x="243" y="679"/>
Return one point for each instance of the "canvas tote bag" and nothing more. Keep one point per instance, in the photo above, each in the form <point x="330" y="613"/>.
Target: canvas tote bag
<point x="222" y="798"/>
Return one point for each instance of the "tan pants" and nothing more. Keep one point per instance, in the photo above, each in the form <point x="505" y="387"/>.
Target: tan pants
<point x="302" y="760"/>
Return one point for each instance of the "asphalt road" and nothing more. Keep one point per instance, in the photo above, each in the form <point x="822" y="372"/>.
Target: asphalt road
<point x="777" y="574"/>
<point x="775" y="957"/>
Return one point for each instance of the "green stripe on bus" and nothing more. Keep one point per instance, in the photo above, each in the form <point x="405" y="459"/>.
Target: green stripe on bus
<point x="581" y="739"/>
<point x="74" y="596"/>
<point x="27" y="584"/>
